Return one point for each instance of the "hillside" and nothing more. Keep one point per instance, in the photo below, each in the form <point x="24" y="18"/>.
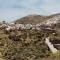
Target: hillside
<point x="29" y="44"/>
<point x="34" y="19"/>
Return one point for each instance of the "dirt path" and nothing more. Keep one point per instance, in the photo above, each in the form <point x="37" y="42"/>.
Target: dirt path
<point x="53" y="50"/>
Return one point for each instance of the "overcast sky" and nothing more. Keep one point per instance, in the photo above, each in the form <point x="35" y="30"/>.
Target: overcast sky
<point x="13" y="9"/>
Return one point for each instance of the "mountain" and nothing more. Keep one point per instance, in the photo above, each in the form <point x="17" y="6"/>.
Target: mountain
<point x="34" y="19"/>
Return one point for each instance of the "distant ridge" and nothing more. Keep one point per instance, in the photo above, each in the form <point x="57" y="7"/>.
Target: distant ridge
<point x="34" y="19"/>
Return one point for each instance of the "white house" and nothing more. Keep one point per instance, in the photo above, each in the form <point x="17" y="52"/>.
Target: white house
<point x="28" y="26"/>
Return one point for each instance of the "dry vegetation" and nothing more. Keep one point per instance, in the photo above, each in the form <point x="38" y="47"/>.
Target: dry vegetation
<point x="17" y="47"/>
<point x="27" y="44"/>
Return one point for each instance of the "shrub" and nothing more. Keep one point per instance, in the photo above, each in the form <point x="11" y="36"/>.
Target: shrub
<point x="56" y="56"/>
<point x="14" y="37"/>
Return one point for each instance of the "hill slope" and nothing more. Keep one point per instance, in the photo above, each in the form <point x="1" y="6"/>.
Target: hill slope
<point x="34" y="19"/>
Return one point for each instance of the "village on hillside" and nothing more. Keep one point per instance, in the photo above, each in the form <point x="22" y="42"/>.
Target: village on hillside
<point x="42" y="37"/>
<point x="49" y="25"/>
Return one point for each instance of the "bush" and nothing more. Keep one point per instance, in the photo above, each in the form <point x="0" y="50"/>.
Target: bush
<point x="56" y="56"/>
<point x="14" y="37"/>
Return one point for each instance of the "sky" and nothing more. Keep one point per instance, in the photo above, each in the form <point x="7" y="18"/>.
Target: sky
<point x="11" y="10"/>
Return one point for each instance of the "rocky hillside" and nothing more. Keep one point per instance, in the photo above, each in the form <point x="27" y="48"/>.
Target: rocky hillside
<point x="29" y="44"/>
<point x="34" y="19"/>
